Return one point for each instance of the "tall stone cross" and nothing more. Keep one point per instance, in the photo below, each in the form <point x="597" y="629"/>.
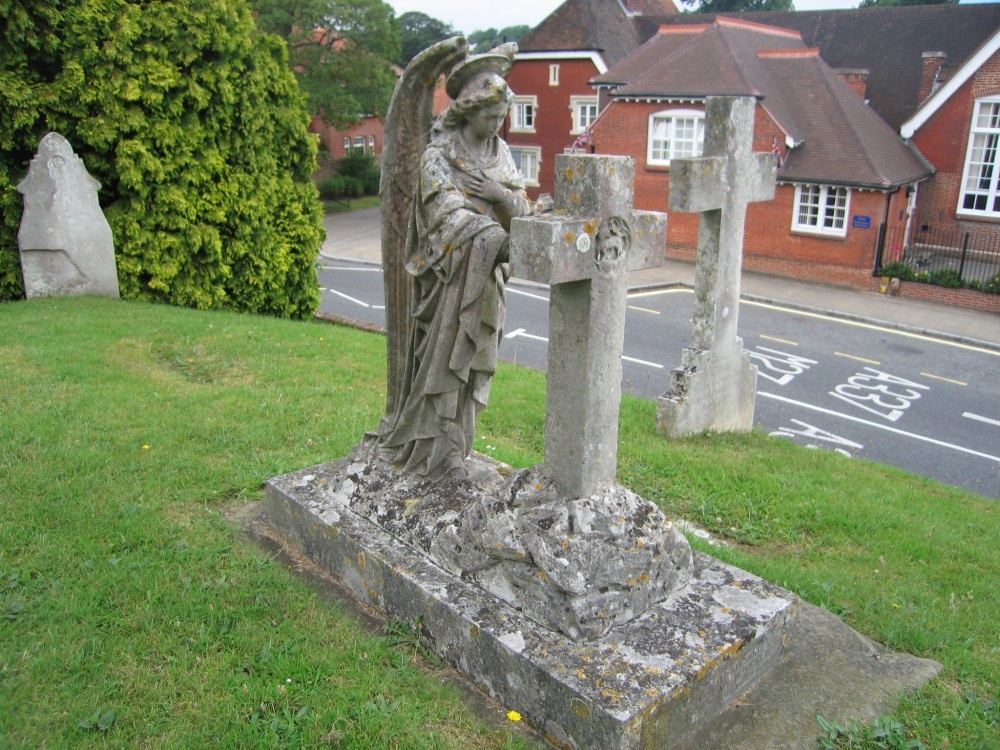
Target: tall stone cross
<point x="714" y="388"/>
<point x="584" y="250"/>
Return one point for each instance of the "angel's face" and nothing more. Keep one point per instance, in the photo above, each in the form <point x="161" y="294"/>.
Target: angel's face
<point x="486" y="121"/>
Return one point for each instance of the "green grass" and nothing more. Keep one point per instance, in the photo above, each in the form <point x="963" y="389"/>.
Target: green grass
<point x="354" y="204"/>
<point x="135" y="613"/>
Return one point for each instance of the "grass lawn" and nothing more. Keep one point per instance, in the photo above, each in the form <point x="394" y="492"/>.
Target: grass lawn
<point x="134" y="612"/>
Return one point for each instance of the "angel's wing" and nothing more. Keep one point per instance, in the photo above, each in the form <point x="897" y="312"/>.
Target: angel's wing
<point x="407" y="129"/>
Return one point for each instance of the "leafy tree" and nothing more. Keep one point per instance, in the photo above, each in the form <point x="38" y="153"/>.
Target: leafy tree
<point x="417" y="32"/>
<point x="737" y="6"/>
<point x="341" y="51"/>
<point x="885" y="3"/>
<point x="193" y="123"/>
<point x="486" y="39"/>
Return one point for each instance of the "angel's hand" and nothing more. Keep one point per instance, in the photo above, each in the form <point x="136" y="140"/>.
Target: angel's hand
<point x="490" y="191"/>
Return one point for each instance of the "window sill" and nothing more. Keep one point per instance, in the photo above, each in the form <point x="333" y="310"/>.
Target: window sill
<point x="978" y="217"/>
<point x="799" y="232"/>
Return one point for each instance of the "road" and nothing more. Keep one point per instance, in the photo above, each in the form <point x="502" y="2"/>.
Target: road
<point x="919" y="403"/>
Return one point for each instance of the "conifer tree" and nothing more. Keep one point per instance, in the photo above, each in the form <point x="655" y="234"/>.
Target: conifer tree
<point x="193" y="123"/>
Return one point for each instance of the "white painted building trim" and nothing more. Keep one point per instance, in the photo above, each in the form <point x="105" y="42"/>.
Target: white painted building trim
<point x="594" y="57"/>
<point x="939" y="97"/>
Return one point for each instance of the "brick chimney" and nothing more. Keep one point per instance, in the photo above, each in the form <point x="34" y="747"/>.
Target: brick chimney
<point x="930" y="73"/>
<point x="857" y="79"/>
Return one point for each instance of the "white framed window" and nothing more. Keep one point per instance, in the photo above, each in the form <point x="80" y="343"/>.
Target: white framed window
<point x="522" y="114"/>
<point x="371" y="144"/>
<point x="584" y="110"/>
<point x="675" y="133"/>
<point x="821" y="209"/>
<point x="528" y="159"/>
<point x="554" y="74"/>
<point x="347" y="143"/>
<point x="980" y="194"/>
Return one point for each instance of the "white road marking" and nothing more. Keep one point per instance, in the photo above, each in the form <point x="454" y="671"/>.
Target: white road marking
<point x="523" y="334"/>
<point x="348" y="298"/>
<point x="987" y="420"/>
<point x="365" y="269"/>
<point x="658" y="292"/>
<point x="644" y="309"/>
<point x="511" y="290"/>
<point x="642" y="362"/>
<point x="873" y="327"/>
<point x="878" y="426"/>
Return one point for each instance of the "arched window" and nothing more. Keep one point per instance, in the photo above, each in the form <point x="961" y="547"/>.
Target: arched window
<point x="980" y="195"/>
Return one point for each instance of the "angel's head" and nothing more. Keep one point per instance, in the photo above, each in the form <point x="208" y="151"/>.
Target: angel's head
<point x="483" y="98"/>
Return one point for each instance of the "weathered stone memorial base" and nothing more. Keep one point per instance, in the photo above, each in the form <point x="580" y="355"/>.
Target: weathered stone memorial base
<point x="646" y="683"/>
<point x="709" y="392"/>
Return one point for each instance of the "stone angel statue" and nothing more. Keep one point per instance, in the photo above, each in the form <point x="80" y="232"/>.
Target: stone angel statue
<point x="449" y="192"/>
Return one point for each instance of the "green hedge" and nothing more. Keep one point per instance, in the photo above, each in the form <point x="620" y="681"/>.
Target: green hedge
<point x="946" y="277"/>
<point x="193" y="122"/>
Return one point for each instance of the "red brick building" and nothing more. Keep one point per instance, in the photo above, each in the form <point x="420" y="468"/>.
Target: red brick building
<point x="843" y="173"/>
<point x="957" y="129"/>
<point x="833" y="88"/>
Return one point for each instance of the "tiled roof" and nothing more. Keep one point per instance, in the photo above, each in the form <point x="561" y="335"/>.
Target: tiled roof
<point x="591" y="25"/>
<point x="887" y="41"/>
<point x="838" y="139"/>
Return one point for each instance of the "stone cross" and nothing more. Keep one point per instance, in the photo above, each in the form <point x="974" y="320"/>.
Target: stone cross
<point x="65" y="241"/>
<point x="714" y="388"/>
<point x="584" y="250"/>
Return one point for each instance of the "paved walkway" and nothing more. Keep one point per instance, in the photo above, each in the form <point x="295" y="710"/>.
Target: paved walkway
<point x="355" y="236"/>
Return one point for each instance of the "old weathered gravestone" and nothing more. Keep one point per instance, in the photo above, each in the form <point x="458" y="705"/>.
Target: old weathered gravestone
<point x="65" y="240"/>
<point x="584" y="250"/>
<point x="561" y="593"/>
<point x="714" y="388"/>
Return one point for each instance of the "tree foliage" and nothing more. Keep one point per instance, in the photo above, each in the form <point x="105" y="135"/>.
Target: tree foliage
<point x="887" y="3"/>
<point x="341" y="50"/>
<point x="737" y="6"/>
<point x="195" y="127"/>
<point x="486" y="39"/>
<point x="417" y="32"/>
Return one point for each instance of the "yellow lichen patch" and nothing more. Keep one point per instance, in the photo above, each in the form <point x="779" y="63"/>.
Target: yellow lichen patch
<point x="579" y="708"/>
<point x="474" y="631"/>
<point x="590" y="227"/>
<point x="575" y="197"/>
<point x="570" y="174"/>
<point x="644" y="578"/>
<point x="543" y="575"/>
<point x="412" y="505"/>
<point x="654" y="670"/>
<point x="569" y="238"/>
<point x="565" y="544"/>
<point x="362" y="562"/>
<point x="581" y="675"/>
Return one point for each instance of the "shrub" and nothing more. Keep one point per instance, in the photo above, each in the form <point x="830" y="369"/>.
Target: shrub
<point x="947" y="277"/>
<point x="340" y="186"/>
<point x="898" y="269"/>
<point x="362" y="167"/>
<point x="193" y="123"/>
<point x="993" y="285"/>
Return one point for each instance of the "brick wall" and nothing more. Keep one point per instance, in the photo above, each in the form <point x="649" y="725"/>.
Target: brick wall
<point x="769" y="245"/>
<point x="944" y="142"/>
<point x="966" y="298"/>
<point x="553" y="117"/>
<point x="333" y="139"/>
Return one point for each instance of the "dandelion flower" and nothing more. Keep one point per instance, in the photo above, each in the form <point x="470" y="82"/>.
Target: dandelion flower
<point x="145" y="447"/>
<point x="513" y="716"/>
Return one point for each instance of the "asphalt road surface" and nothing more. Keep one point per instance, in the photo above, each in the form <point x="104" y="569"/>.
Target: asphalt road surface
<point x="922" y="404"/>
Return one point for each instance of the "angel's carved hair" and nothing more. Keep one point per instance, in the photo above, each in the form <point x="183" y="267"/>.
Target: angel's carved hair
<point x="482" y="91"/>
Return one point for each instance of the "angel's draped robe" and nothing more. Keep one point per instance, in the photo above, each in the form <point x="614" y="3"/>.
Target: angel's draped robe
<point x="456" y="252"/>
